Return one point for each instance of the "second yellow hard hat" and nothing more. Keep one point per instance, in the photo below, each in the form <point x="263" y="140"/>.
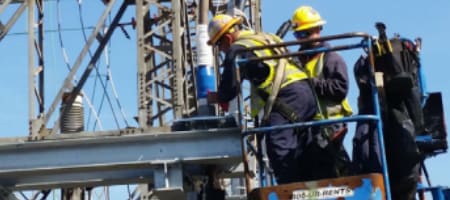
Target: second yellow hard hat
<point x="305" y="17"/>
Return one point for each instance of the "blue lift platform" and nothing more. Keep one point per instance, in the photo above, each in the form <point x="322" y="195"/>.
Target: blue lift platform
<point x="365" y="186"/>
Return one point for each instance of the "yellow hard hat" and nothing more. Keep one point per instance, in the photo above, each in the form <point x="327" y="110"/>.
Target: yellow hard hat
<point x="219" y="25"/>
<point x="305" y="17"/>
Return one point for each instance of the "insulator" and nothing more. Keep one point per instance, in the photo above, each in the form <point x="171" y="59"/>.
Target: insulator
<point x="72" y="117"/>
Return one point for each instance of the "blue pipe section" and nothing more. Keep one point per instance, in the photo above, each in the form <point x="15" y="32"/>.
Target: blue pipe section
<point x="205" y="80"/>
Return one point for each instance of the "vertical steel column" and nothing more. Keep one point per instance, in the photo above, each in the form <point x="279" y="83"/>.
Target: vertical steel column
<point x="178" y="59"/>
<point x="36" y="92"/>
<point x="144" y="110"/>
<point x="34" y="130"/>
<point x="164" y="62"/>
<point x="190" y="52"/>
<point x="255" y="15"/>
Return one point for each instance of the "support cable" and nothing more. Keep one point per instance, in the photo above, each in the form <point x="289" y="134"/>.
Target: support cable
<point x="94" y="86"/>
<point x="113" y="87"/>
<point x="98" y="77"/>
<point x="103" y="85"/>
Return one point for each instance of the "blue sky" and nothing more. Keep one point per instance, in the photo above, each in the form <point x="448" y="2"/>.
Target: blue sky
<point x="413" y="18"/>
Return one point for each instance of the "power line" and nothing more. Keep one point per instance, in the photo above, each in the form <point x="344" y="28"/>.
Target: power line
<point x="52" y="31"/>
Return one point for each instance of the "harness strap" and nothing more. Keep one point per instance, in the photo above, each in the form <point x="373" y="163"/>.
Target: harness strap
<point x="334" y="140"/>
<point x="284" y="109"/>
<point x="279" y="76"/>
<point x="279" y="73"/>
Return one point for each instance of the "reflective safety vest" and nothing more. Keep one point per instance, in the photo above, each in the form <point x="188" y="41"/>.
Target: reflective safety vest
<point x="330" y="109"/>
<point x="291" y="73"/>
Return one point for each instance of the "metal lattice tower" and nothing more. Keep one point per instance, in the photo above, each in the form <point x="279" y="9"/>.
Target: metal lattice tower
<point x="164" y="61"/>
<point x="166" y="57"/>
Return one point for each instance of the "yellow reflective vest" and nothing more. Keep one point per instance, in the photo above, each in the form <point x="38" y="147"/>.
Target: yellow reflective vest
<point x="330" y="109"/>
<point x="291" y="74"/>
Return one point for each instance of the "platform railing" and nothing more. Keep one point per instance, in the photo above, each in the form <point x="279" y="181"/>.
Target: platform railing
<point x="365" y="44"/>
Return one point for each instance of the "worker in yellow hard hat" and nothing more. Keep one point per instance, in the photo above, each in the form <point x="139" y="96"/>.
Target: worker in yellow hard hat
<point x="328" y="74"/>
<point x="220" y="25"/>
<point x="306" y="23"/>
<point x="278" y="79"/>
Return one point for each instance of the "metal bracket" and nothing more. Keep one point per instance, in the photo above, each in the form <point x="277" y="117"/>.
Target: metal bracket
<point x="168" y="181"/>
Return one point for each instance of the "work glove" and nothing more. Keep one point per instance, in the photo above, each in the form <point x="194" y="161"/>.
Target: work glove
<point x="213" y="99"/>
<point x="224" y="106"/>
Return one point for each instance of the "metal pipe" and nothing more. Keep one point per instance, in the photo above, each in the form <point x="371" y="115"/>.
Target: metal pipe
<point x="303" y="41"/>
<point x="203" y="12"/>
<point x="204" y="70"/>
<point x="311" y="123"/>
<point x="31" y="64"/>
<point x="377" y="110"/>
<point x="303" y="52"/>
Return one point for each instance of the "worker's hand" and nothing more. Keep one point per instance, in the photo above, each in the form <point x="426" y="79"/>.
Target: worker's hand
<point x="224" y="106"/>
<point x="212" y="97"/>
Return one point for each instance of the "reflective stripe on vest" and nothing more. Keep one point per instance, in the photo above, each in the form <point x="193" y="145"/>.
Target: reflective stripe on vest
<point x="330" y="109"/>
<point x="291" y="74"/>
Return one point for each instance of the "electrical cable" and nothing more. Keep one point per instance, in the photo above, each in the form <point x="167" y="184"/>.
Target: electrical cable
<point x="103" y="85"/>
<point x="108" y="75"/>
<point x="94" y="86"/>
<point x="113" y="87"/>
<point x="66" y="61"/>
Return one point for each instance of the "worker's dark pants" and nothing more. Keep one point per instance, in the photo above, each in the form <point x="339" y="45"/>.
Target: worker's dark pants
<point x="366" y="148"/>
<point x="322" y="157"/>
<point x="292" y="154"/>
<point x="282" y="151"/>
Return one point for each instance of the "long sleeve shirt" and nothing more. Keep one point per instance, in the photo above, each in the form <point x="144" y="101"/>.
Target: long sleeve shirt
<point x="333" y="82"/>
<point x="256" y="72"/>
<point x="298" y="96"/>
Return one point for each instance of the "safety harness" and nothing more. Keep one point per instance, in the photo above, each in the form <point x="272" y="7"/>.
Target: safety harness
<point x="328" y="109"/>
<point x="278" y="78"/>
<point x="270" y="88"/>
